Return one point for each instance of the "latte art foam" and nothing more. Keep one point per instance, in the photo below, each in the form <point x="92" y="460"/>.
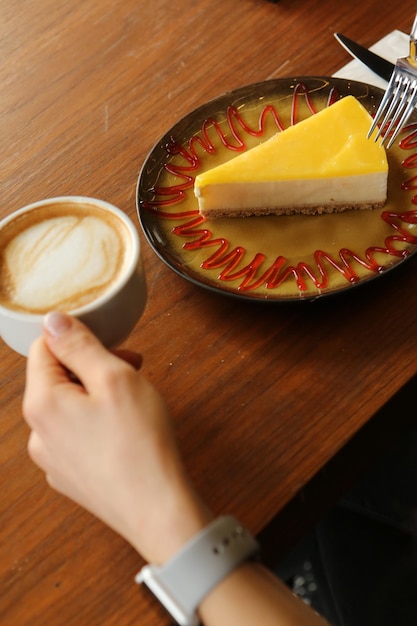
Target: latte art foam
<point x="61" y="262"/>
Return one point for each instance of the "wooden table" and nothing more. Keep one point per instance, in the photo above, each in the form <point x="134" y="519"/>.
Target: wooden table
<point x="262" y="397"/>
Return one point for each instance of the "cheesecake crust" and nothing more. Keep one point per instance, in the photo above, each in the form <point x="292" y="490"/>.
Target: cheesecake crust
<point x="299" y="210"/>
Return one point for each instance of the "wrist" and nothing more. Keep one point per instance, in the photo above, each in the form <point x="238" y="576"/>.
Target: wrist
<point x="182" y="583"/>
<point x="182" y="516"/>
<point x="187" y="520"/>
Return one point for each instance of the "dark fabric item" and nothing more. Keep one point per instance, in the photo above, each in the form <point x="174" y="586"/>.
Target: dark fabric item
<point x="388" y="492"/>
<point x="366" y="571"/>
<point x="359" y="565"/>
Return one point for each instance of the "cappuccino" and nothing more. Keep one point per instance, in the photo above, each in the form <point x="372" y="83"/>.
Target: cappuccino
<point x="75" y="254"/>
<point x="61" y="256"/>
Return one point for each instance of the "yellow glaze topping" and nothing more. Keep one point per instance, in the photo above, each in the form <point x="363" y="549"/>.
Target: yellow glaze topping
<point x="330" y="143"/>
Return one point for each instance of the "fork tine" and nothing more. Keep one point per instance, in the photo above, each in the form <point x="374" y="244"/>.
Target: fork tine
<point x="395" y="100"/>
<point x="398" y="106"/>
<point x="395" y="109"/>
<point x="412" y="98"/>
<point x="400" y="97"/>
<point x="387" y="96"/>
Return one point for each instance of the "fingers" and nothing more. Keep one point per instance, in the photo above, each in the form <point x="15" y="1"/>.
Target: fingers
<point x="42" y="364"/>
<point x="74" y="346"/>
<point x="44" y="374"/>
<point x="67" y="355"/>
<point x="40" y="456"/>
<point x="36" y="450"/>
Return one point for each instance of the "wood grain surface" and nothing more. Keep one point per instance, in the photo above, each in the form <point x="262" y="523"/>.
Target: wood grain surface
<point x="262" y="396"/>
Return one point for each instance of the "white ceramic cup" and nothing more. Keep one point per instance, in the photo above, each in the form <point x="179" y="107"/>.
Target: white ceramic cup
<point x="113" y="313"/>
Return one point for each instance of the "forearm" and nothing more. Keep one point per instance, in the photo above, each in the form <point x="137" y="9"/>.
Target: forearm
<point x="107" y="443"/>
<point x="252" y="595"/>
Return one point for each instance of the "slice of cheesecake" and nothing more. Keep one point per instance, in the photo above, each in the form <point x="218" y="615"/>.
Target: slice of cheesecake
<point x="322" y="164"/>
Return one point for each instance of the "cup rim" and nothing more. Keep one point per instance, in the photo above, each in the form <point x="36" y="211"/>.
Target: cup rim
<point x="130" y="268"/>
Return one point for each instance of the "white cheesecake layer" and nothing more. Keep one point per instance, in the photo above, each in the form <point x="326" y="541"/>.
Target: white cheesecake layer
<point x="361" y="191"/>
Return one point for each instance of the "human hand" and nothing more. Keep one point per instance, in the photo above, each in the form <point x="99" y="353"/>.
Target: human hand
<point x="105" y="440"/>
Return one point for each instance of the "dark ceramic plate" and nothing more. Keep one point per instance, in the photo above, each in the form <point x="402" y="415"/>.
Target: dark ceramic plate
<point x="282" y="258"/>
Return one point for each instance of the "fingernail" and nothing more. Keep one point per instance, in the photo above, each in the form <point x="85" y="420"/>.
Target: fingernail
<point x="56" y="323"/>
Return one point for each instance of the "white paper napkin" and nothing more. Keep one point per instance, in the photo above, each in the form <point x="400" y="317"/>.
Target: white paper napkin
<point x="392" y="46"/>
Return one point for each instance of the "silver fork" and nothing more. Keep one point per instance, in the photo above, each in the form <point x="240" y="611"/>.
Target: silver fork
<point x="400" y="97"/>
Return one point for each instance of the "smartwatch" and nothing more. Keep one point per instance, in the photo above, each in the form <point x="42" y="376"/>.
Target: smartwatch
<point x="184" y="581"/>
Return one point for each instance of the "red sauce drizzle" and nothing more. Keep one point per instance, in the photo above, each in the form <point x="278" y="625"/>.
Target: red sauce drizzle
<point x="228" y="262"/>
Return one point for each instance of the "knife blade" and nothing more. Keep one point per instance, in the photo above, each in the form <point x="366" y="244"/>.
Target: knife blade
<point x="377" y="64"/>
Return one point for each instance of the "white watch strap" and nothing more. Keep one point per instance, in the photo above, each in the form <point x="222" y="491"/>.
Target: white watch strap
<point x="182" y="583"/>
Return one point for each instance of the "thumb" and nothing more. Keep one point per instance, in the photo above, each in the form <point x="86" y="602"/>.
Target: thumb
<point x="75" y="346"/>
